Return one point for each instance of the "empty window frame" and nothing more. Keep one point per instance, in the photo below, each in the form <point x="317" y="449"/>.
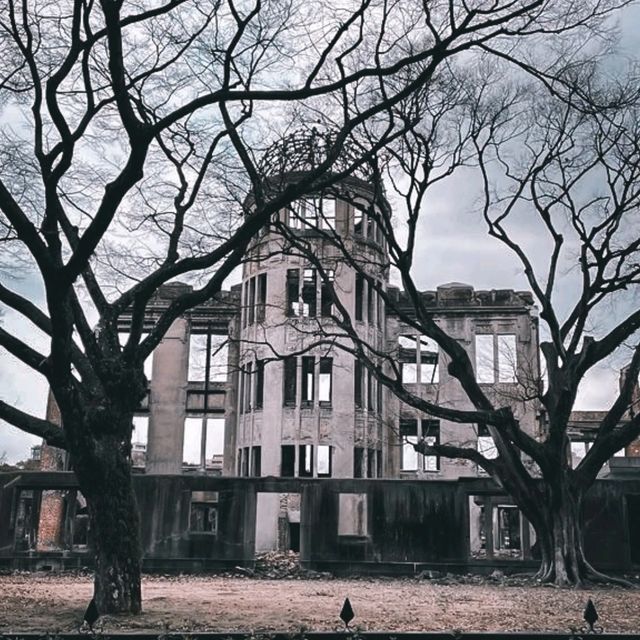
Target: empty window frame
<point x="258" y="387"/>
<point x="324" y="462"/>
<point x="371" y="382"/>
<point x="303" y="214"/>
<point x="579" y="449"/>
<point x="256" y="461"/>
<point x="430" y="433"/>
<point x="379" y="307"/>
<point x="506" y="530"/>
<point x="245" y="306"/>
<point x="325" y="382"/>
<point x="199" y="447"/>
<point x="139" y="437"/>
<point x="358" y="462"/>
<point x="485" y="364"/>
<point x="359" y="295"/>
<point x="358" y="215"/>
<point x="140" y="431"/>
<point x="217" y="349"/>
<point x="371" y="224"/>
<point x="308" y="380"/>
<point x="496" y="358"/>
<point x="408" y="356"/>
<point x="287" y="461"/>
<point x="371" y="299"/>
<point x="261" y="300"/>
<point x="486" y="446"/>
<point x="507" y="360"/>
<point x="241" y="391"/>
<point x="290" y="376"/>
<point x="309" y="293"/>
<point x="305" y="461"/>
<point x="245" y="461"/>
<point x="248" y="382"/>
<point x="358" y="384"/>
<point x="419" y="359"/>
<point x="252" y="300"/>
<point x="328" y="214"/>
<point x="409" y="436"/>
<point x="203" y="514"/>
<point x="371" y="463"/>
<point x="326" y="299"/>
<point x="428" y="372"/>
<point x="293" y="292"/>
<point x="431" y="436"/>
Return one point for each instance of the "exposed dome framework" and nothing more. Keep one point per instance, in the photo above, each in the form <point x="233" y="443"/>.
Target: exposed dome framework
<point x="304" y="150"/>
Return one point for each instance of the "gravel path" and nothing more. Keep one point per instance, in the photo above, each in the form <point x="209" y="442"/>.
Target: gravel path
<point x="34" y="602"/>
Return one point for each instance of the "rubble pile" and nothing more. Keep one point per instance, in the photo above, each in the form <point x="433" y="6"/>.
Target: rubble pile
<point x="278" y="565"/>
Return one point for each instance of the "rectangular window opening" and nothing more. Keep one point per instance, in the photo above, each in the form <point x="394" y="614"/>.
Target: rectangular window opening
<point x="357" y="220"/>
<point x="305" y="461"/>
<point x="248" y="381"/>
<point x="507" y="358"/>
<point x="325" y="380"/>
<point x="256" y="455"/>
<point x="371" y="298"/>
<point x="429" y="351"/>
<point x="358" y="380"/>
<point x="294" y="307"/>
<point x="290" y="371"/>
<point x="288" y="461"/>
<point x="359" y="295"/>
<point x="262" y="297"/>
<point x="409" y="436"/>
<point x="484" y="358"/>
<point x="326" y="299"/>
<point x="218" y="351"/>
<point x="308" y="386"/>
<point x="324" y="461"/>
<point x="431" y="435"/>
<point x="203" y="516"/>
<point x="328" y="214"/>
<point x="139" y="437"/>
<point x="358" y="462"/>
<point x="259" y="385"/>
<point x="252" y="299"/>
<point x="309" y="293"/>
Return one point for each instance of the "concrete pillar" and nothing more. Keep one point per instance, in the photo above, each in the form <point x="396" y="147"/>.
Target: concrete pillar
<point x="167" y="406"/>
<point x="231" y="401"/>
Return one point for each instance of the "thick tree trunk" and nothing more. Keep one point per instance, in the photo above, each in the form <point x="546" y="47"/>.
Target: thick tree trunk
<point x="560" y="537"/>
<point x="105" y="480"/>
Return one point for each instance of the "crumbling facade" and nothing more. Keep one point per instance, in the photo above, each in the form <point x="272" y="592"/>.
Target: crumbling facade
<point x="248" y="386"/>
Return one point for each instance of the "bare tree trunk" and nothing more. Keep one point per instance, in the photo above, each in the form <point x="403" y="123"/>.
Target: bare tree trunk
<point x="105" y="480"/>
<point x="560" y="536"/>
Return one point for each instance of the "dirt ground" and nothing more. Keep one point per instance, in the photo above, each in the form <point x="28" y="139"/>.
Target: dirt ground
<point x="55" y="603"/>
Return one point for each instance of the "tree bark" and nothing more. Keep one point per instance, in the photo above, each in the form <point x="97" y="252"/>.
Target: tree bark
<point x="105" y="479"/>
<point x="560" y="536"/>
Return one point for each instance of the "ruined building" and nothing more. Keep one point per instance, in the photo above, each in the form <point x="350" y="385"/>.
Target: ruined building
<point x="253" y="439"/>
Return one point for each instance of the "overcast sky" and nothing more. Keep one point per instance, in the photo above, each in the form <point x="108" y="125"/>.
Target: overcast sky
<point x="453" y="247"/>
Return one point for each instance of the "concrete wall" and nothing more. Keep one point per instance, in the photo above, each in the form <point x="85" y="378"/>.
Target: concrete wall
<point x="384" y="526"/>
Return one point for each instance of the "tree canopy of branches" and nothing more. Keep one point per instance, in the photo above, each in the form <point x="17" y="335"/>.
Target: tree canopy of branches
<point x="561" y="166"/>
<point x="129" y="142"/>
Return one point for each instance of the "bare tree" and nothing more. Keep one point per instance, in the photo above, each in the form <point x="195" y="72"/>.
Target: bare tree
<point x="561" y="164"/>
<point x="127" y="151"/>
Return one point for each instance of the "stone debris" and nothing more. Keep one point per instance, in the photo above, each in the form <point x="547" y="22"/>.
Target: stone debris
<point x="278" y="565"/>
